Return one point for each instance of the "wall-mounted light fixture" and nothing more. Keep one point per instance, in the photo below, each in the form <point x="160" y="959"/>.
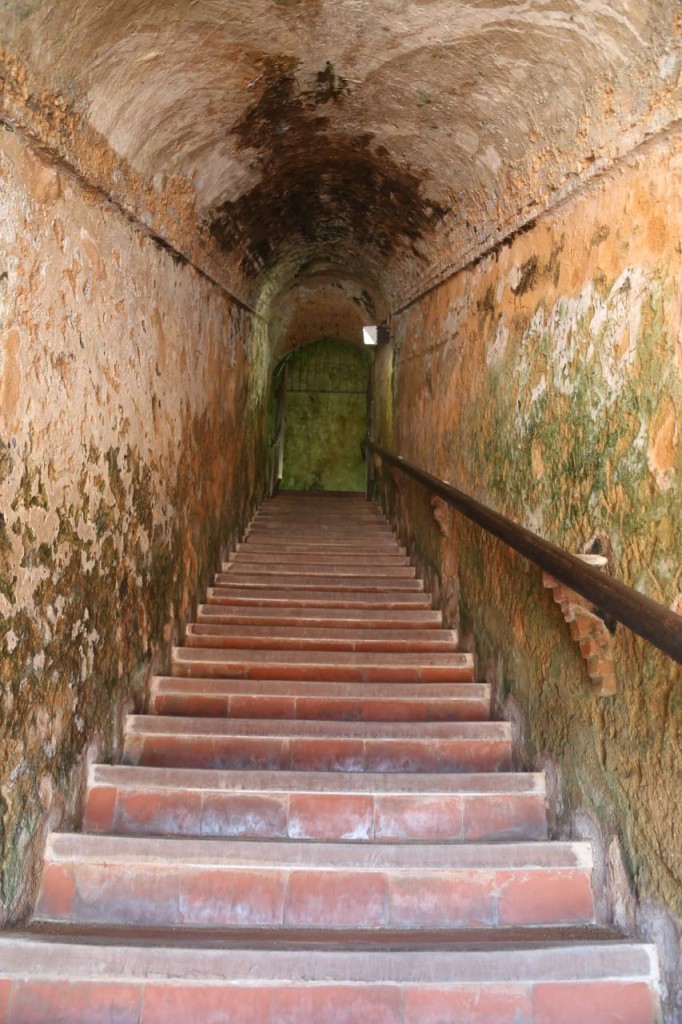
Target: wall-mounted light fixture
<point x="377" y="335"/>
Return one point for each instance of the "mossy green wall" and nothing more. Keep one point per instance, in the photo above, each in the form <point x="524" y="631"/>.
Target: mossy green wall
<point x="547" y="381"/>
<point x="327" y="422"/>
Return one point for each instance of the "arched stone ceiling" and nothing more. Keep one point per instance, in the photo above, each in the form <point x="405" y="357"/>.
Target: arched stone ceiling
<point x="322" y="304"/>
<point x="392" y="137"/>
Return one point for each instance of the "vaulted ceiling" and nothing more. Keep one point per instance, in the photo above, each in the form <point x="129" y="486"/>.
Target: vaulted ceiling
<point x="376" y="142"/>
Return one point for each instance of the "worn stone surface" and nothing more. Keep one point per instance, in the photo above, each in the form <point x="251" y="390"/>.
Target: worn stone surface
<point x="397" y="137"/>
<point x="125" y="391"/>
<point x="546" y="380"/>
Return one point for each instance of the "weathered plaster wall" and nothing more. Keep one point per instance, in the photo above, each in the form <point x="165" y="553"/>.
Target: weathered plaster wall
<point x="547" y="381"/>
<point x="129" y="436"/>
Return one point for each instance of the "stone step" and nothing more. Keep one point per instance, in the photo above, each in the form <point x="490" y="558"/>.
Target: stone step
<point x="303" y="638"/>
<point x="146" y="984"/>
<point x="330" y="806"/>
<point x="271" y="543"/>
<point x="320" y="511"/>
<point x="317" y="528"/>
<point x="71" y="981"/>
<point x="355" y="522"/>
<point x="386" y="547"/>
<point x="285" y="597"/>
<point x="320" y="618"/>
<point x="344" y="666"/>
<point x="331" y="701"/>
<point x="248" y="556"/>
<point x="329" y="504"/>
<point x="314" y="568"/>
<point x="122" y="880"/>
<point x="300" y="745"/>
<point x="315" y="581"/>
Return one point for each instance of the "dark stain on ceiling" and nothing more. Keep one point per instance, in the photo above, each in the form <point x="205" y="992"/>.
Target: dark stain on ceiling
<point x="395" y="139"/>
<point x="317" y="185"/>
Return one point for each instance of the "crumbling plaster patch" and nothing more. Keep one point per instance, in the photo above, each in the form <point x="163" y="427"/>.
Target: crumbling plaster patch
<point x="129" y="438"/>
<point x="546" y="381"/>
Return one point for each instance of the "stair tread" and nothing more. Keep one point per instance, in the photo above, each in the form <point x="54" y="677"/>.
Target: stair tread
<point x="220" y="696"/>
<point x="443" y="636"/>
<point x="281" y="535"/>
<point x="384" y="731"/>
<point x="564" y="953"/>
<point x="339" y="598"/>
<point x="387" y="546"/>
<point x="337" y="583"/>
<point x="454" y="659"/>
<point x="379" y="783"/>
<point x="246" y="555"/>
<point x="306" y="856"/>
<point x="321" y="688"/>
<point x="310" y="638"/>
<point x="339" y="571"/>
<point x="335" y="617"/>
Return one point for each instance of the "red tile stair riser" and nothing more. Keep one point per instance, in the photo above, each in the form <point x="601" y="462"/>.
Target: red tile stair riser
<point x="198" y="697"/>
<point x="96" y="1002"/>
<point x="371" y="559"/>
<point x="207" y="636"/>
<point x="236" y="896"/>
<point x="301" y="582"/>
<point x="336" y="571"/>
<point x="208" y="663"/>
<point x="354" y="600"/>
<point x="365" y="618"/>
<point x="100" y="808"/>
<point x="315" y="815"/>
<point x="318" y="754"/>
<point x="593" y="1002"/>
<point x="74" y="1002"/>
<point x="505" y="1004"/>
<point x="5" y="986"/>
<point x="198" y="705"/>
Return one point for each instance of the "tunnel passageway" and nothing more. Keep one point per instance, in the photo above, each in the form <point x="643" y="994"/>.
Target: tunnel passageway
<point x="201" y="206"/>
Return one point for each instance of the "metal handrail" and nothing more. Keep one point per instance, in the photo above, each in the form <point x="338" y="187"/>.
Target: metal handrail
<point x="644" y="616"/>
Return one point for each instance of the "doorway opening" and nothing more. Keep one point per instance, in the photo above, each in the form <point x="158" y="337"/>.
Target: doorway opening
<point x="321" y="406"/>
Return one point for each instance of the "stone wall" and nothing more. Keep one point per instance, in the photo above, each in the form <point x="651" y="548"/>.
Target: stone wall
<point x="546" y="380"/>
<point x="130" y="441"/>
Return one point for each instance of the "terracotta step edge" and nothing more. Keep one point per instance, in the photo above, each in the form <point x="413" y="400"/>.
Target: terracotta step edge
<point x="295" y="855"/>
<point x="42" y="957"/>
<point x="296" y="783"/>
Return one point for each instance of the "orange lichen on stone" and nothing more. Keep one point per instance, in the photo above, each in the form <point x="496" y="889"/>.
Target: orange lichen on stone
<point x="11" y="378"/>
<point x="664" y="439"/>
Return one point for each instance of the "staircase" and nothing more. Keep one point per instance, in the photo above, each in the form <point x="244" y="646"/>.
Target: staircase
<point x="318" y="823"/>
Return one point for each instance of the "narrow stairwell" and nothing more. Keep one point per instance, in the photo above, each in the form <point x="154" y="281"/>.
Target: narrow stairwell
<point x="317" y="822"/>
